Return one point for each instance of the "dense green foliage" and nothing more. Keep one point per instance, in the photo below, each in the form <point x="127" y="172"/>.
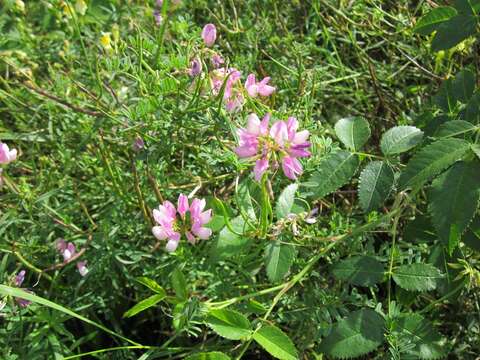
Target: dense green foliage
<point x="373" y="252"/>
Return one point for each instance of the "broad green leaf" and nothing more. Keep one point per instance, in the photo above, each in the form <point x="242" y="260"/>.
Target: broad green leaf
<point x="467" y="6"/>
<point x="358" y="334"/>
<point x="400" y="139"/>
<point x="463" y="85"/>
<point x="276" y="343"/>
<point x="472" y="235"/>
<point x="278" y="259"/>
<point x="454" y="31"/>
<point x="376" y="182"/>
<point x="455" y="128"/>
<point x="476" y="149"/>
<point x="353" y="132"/>
<point x="433" y="125"/>
<point x="214" y="355"/>
<point x="472" y="110"/>
<point x="229" y="324"/>
<point x="285" y="201"/>
<point x="230" y="244"/>
<point x="151" y="284"/>
<point x="359" y="270"/>
<point x="446" y="98"/>
<point x="431" y="20"/>
<point x="144" y="305"/>
<point x="453" y="201"/>
<point x="22" y="294"/>
<point x="415" y="330"/>
<point x="431" y="160"/>
<point x="333" y="172"/>
<point x="420" y="230"/>
<point x="418" y="276"/>
<point x="179" y="284"/>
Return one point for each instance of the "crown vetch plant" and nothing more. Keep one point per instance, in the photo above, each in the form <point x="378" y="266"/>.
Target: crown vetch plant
<point x="363" y="249"/>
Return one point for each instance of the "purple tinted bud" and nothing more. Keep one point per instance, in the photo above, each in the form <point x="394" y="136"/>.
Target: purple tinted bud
<point x="217" y="61"/>
<point x="195" y="67"/>
<point x="158" y="17"/>
<point x="138" y="144"/>
<point x="22" y="302"/>
<point x="159" y="3"/>
<point x="20" y="278"/>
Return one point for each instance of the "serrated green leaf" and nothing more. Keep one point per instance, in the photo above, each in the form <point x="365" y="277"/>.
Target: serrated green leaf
<point x="179" y="284"/>
<point x="278" y="259"/>
<point x="151" y="284"/>
<point x="421" y="334"/>
<point x="463" y="85"/>
<point x="376" y="182"/>
<point x="230" y="244"/>
<point x="417" y="277"/>
<point x="431" y="160"/>
<point x="476" y="149"/>
<point x="359" y="270"/>
<point x="432" y="20"/>
<point x="144" y="305"/>
<point x="400" y="139"/>
<point x="358" y="334"/>
<point x="214" y="355"/>
<point x="285" y="201"/>
<point x="453" y="201"/>
<point x="276" y="343"/>
<point x="353" y="132"/>
<point x="333" y="172"/>
<point x="454" y="31"/>
<point x="229" y="324"/>
<point x="455" y="128"/>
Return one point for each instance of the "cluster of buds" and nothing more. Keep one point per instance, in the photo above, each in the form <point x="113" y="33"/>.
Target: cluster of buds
<point x="190" y="222"/>
<point x="281" y="144"/>
<point x="68" y="251"/>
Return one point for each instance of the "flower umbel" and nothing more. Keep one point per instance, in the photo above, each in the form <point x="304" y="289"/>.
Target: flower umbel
<point x="282" y="143"/>
<point x="190" y="222"/>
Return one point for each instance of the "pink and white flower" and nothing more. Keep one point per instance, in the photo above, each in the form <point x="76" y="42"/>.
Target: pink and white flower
<point x="195" y="67"/>
<point x="66" y="250"/>
<point x="283" y="142"/>
<point x="209" y="34"/>
<point x="261" y="88"/>
<point x="232" y="94"/>
<point x="82" y="268"/>
<point x="7" y="155"/>
<point x="170" y="227"/>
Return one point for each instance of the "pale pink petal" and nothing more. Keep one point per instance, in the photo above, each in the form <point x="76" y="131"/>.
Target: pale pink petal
<point x="205" y="217"/>
<point x="265" y="90"/>
<point x="82" y="268"/>
<point x="251" y="85"/>
<point x="264" y="124"/>
<point x="292" y="126"/>
<point x="253" y="124"/>
<point x="20" y="278"/>
<point x="301" y="137"/>
<point x="159" y="233"/>
<point x="279" y="132"/>
<point x="202" y="232"/>
<point x="291" y="167"/>
<point x="246" y="151"/>
<point x="171" y="245"/>
<point x="190" y="237"/>
<point x="61" y="245"/>
<point x="182" y="206"/>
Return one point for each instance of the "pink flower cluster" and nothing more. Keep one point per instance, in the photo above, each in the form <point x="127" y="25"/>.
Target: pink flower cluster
<point x="230" y="78"/>
<point x="192" y="221"/>
<point x="67" y="250"/>
<point x="7" y="155"/>
<point x="281" y="143"/>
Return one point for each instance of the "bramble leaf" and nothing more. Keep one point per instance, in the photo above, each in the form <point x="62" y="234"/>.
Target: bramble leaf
<point x="359" y="270"/>
<point x="431" y="160"/>
<point x="276" y="343"/>
<point x="229" y="324"/>
<point x="454" y="200"/>
<point x="418" y="276"/>
<point x="376" y="182"/>
<point x="400" y="139"/>
<point x="353" y="132"/>
<point x="333" y="172"/>
<point x="358" y="334"/>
